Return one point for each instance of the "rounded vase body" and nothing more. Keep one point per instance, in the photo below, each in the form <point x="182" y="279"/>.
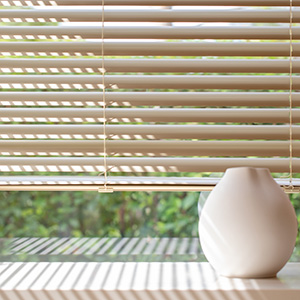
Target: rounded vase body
<point x="248" y="226"/>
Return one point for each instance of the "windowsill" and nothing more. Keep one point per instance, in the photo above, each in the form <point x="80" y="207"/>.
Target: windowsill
<point x="139" y="280"/>
<point x="127" y="269"/>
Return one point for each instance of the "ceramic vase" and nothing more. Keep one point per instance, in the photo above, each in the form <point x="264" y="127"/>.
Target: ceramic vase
<point x="248" y="226"/>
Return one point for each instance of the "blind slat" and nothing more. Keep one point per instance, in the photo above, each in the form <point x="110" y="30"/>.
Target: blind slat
<point x="142" y="164"/>
<point x="149" y="65"/>
<point x="167" y="15"/>
<point x="151" y="81"/>
<point x="149" y="115"/>
<point x="92" y="183"/>
<point x="259" y="99"/>
<point x="119" y="180"/>
<point x="267" y="132"/>
<point x="153" y="2"/>
<point x="152" y="48"/>
<point x="150" y="32"/>
<point x="150" y="148"/>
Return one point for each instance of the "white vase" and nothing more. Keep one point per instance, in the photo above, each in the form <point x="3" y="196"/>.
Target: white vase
<point x="248" y="226"/>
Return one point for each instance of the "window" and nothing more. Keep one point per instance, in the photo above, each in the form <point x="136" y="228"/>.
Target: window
<point x="189" y="91"/>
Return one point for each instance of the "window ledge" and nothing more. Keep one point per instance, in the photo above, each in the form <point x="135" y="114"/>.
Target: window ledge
<point x="127" y="269"/>
<point x="139" y="280"/>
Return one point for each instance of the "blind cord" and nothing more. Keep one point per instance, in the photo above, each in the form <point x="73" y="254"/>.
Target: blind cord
<point x="105" y="189"/>
<point x="290" y="98"/>
<point x="103" y="98"/>
<point x="291" y="188"/>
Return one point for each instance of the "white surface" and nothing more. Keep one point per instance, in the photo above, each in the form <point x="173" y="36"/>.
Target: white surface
<point x="136" y="281"/>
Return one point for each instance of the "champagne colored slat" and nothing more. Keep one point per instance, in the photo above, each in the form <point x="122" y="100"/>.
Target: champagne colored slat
<point x="92" y="183"/>
<point x="266" y="132"/>
<point x="200" y="2"/>
<point x="244" y="82"/>
<point x="126" y="32"/>
<point x="148" y="65"/>
<point x="116" y="188"/>
<point x="150" y="148"/>
<point x="147" y="115"/>
<point x="112" y="180"/>
<point x="142" y="164"/>
<point x="258" y="99"/>
<point x="48" y="2"/>
<point x="151" y="15"/>
<point x="151" y="48"/>
<point x="155" y="2"/>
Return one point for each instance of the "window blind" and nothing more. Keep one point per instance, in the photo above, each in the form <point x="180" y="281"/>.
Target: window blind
<point x="191" y="86"/>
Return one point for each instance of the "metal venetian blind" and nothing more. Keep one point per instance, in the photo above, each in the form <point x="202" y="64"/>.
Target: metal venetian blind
<point x="189" y="88"/>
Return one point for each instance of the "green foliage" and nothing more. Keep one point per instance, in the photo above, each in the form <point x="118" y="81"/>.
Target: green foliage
<point x="78" y="214"/>
<point x="89" y="214"/>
